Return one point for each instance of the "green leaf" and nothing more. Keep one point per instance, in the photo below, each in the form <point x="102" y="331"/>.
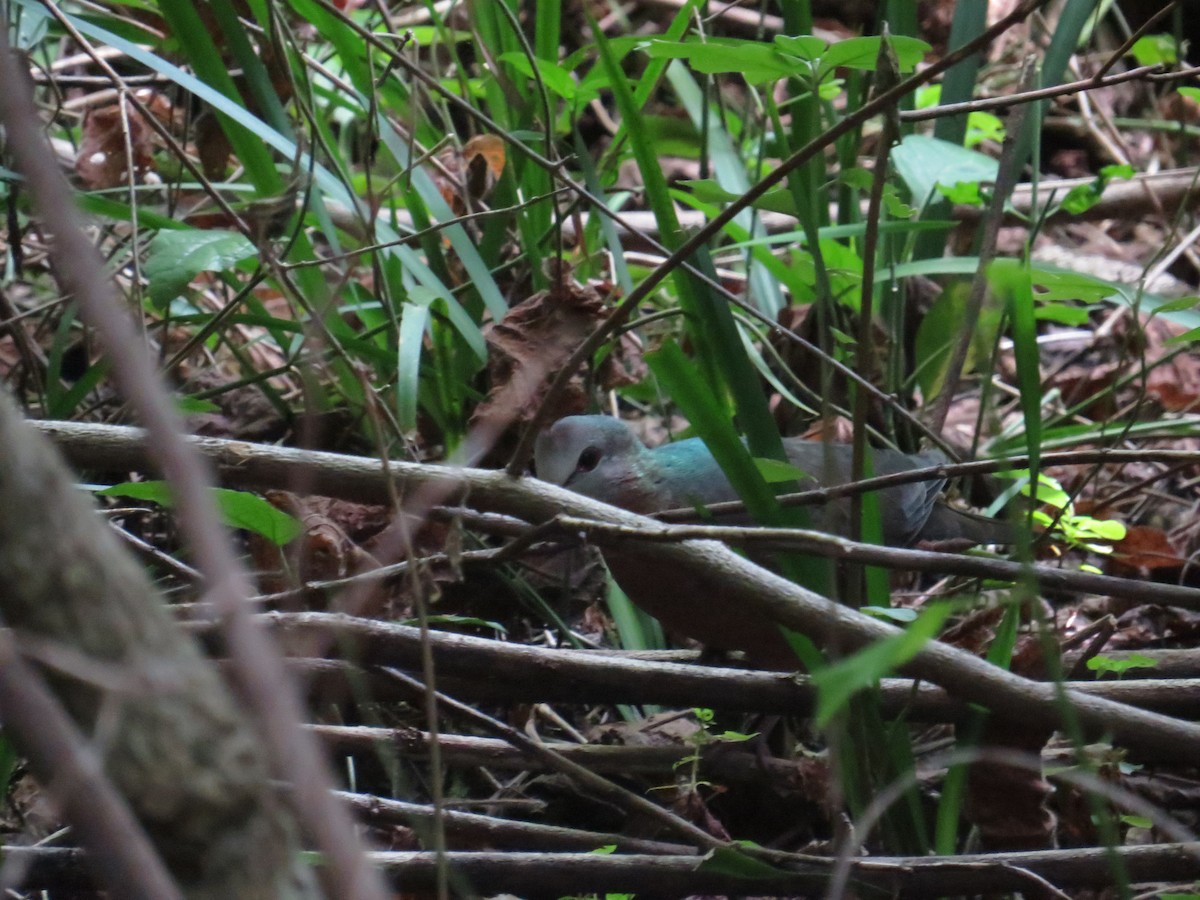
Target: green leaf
<point x="155" y="491"/>
<point x="964" y="193"/>
<point x="1121" y="666"/>
<point x="857" y="177"/>
<point x="1117" y="170"/>
<point x="775" y="472"/>
<point x="1048" y="491"/>
<point x="558" y="80"/>
<point x="1155" y="49"/>
<point x="923" y="163"/>
<point x="414" y="319"/>
<point x="1013" y="283"/>
<point x="941" y="329"/>
<point x="1192" y="334"/>
<point x="837" y="683"/>
<point x="895" y="207"/>
<point x="804" y="46"/>
<point x="1084" y="196"/>
<point x="728" y="861"/>
<point x="1192" y="302"/>
<point x="737" y="736"/>
<point x="1081" y="198"/>
<point x="191" y="406"/>
<point x="1063" y="313"/>
<point x="174" y="258"/>
<point x="636" y="629"/>
<point x="241" y="509"/>
<point x="238" y="509"/>
<point x="1102" y="529"/>
<point x="901" y="615"/>
<point x="862" y="53"/>
<point x="753" y="60"/>
<point x="212" y="67"/>
<point x="982" y="126"/>
<point x="708" y="191"/>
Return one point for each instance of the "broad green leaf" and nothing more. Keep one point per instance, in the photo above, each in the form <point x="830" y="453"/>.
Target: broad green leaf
<point x="1063" y="313"/>
<point x="844" y="267"/>
<point x="863" y="52"/>
<point x="1084" y="196"/>
<point x="238" y="509"/>
<point x="963" y="193"/>
<point x="1115" y="170"/>
<point x="804" y="46"/>
<point x="1192" y="302"/>
<point x="982" y="126"/>
<point x="753" y="60"/>
<point x="1153" y="49"/>
<point x="923" y="163"/>
<point x="1192" y="334"/>
<point x="174" y="258"/>
<point x="241" y="509"/>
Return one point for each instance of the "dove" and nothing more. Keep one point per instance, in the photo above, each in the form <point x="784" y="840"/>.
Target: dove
<point x="600" y="457"/>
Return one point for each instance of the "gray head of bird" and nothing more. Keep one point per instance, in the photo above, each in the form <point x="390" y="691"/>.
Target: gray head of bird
<point x="597" y="456"/>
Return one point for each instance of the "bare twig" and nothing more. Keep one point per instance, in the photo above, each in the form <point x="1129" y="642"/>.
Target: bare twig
<point x="360" y="479"/>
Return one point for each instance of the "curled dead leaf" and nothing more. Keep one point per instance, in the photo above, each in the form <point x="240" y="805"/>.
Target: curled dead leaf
<point x="106" y="155"/>
<point x="468" y="176"/>
<point x="530" y="344"/>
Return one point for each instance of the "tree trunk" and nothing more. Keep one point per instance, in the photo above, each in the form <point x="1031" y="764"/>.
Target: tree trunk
<point x="171" y="737"/>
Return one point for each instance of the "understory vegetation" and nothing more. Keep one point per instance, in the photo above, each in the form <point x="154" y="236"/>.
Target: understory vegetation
<point x="368" y="251"/>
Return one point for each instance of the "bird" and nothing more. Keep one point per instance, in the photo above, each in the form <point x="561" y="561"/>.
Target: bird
<point x="600" y="457"/>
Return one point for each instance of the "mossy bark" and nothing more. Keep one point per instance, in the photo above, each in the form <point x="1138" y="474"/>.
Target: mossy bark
<point x="172" y="738"/>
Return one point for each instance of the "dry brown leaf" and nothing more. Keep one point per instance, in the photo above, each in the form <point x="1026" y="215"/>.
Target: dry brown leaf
<point x="104" y="159"/>
<point x="468" y="176"/>
<point x="322" y="552"/>
<point x="530" y="344"/>
<point x="1144" y="551"/>
<point x="1172" y="378"/>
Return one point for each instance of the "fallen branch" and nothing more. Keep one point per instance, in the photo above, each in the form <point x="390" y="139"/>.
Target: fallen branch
<point x="740" y="584"/>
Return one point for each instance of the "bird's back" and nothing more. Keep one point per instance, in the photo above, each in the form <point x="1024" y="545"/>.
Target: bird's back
<point x="684" y="474"/>
<point x="904" y="509"/>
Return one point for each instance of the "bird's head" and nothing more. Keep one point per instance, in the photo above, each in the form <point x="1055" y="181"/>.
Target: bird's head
<point x="597" y="456"/>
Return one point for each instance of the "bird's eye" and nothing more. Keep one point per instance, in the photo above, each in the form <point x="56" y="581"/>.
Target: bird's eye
<point x="588" y="459"/>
